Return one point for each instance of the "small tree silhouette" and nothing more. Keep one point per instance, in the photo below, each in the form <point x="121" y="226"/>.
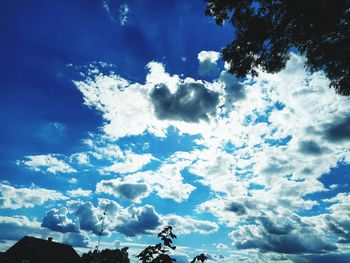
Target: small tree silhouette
<point x="159" y="253"/>
<point x="199" y="258"/>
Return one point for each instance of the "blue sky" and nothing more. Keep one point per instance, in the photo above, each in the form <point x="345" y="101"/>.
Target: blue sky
<point x="128" y="105"/>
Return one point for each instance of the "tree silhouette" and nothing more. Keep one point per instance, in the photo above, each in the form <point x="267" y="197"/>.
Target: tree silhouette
<point x="106" y="256"/>
<point x="159" y="253"/>
<point x="199" y="258"/>
<point x="266" y="30"/>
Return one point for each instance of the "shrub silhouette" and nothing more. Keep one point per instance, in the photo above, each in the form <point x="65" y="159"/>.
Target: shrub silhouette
<point x="106" y="256"/>
<point x="199" y="258"/>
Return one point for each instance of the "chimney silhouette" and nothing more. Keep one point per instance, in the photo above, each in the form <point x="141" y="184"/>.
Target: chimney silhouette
<point x="49" y="239"/>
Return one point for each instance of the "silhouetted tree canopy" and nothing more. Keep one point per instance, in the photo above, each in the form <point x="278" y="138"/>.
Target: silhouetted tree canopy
<point x="107" y="256"/>
<point x="266" y="30"/>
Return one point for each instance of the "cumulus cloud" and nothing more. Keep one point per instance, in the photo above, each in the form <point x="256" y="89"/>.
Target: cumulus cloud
<point x="137" y="220"/>
<point x="16" y="227"/>
<point x="191" y="102"/>
<point x="237" y="208"/>
<point x="167" y="181"/>
<point x="81" y="158"/>
<point x="339" y="130"/>
<point x="14" y="197"/>
<point x="112" y="94"/>
<point x="288" y="235"/>
<point x="133" y="220"/>
<point x="338" y="221"/>
<point x="130" y="191"/>
<point x="47" y="163"/>
<point x="130" y="221"/>
<point x="79" y="239"/>
<point x="234" y="89"/>
<point x="57" y="220"/>
<point x="128" y="163"/>
<point x="186" y="225"/>
<point x="88" y="217"/>
<point x="310" y="148"/>
<point x="208" y="62"/>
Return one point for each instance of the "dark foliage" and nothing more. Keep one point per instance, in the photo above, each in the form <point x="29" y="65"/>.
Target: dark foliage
<point x="199" y="258"/>
<point x="266" y="30"/>
<point x="107" y="256"/>
<point x="159" y="253"/>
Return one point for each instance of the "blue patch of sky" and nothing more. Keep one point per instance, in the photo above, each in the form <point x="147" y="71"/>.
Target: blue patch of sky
<point x="264" y="117"/>
<point x="254" y="186"/>
<point x="280" y="142"/>
<point x="160" y="147"/>
<point x="336" y="181"/>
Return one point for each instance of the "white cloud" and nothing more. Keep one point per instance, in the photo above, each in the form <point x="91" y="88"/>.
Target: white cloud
<point x="112" y="95"/>
<point x="130" y="162"/>
<point x="15" y="197"/>
<point x="73" y="180"/>
<point x="46" y="163"/>
<point x="57" y="220"/>
<point x="207" y="62"/>
<point x="16" y="227"/>
<point x="128" y="109"/>
<point x="167" y="182"/>
<point x="79" y="192"/>
<point x="221" y="246"/>
<point x="124" y="190"/>
<point x="80" y="158"/>
<point x="187" y="225"/>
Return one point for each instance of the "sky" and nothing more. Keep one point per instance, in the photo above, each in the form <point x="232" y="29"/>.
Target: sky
<point x="127" y="107"/>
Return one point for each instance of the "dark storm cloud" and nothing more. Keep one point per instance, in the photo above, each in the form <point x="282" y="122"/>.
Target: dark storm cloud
<point x="237" y="208"/>
<point x="310" y="148"/>
<point x="191" y="102"/>
<point x="57" y="220"/>
<point x="137" y="220"/>
<point x="338" y="131"/>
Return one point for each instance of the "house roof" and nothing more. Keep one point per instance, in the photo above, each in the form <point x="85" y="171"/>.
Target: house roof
<point x="36" y="248"/>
